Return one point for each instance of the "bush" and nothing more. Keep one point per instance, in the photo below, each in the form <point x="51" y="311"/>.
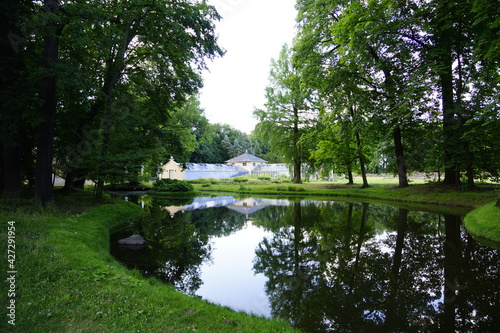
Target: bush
<point x="240" y="179"/>
<point x="172" y="185"/>
<point x="264" y="177"/>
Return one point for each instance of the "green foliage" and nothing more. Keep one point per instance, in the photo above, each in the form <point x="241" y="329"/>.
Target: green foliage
<point x="127" y="77"/>
<point x="384" y="60"/>
<point x="240" y="179"/>
<point x="288" y="114"/>
<point x="74" y="283"/>
<point x="264" y="177"/>
<point x="485" y="222"/>
<point x="223" y="143"/>
<point x="172" y="185"/>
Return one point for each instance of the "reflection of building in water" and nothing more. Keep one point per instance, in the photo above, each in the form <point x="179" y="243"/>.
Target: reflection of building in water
<point x="244" y="206"/>
<point x="202" y="203"/>
<point x="248" y="206"/>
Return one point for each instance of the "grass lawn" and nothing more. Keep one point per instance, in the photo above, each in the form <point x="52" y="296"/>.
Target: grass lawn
<point x="485" y="222"/>
<point x="67" y="281"/>
<point x="381" y="189"/>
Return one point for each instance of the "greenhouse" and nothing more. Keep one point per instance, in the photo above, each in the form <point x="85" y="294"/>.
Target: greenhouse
<point x="271" y="170"/>
<point x="217" y="171"/>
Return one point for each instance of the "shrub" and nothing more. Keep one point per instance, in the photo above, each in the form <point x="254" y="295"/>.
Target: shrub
<point x="240" y="179"/>
<point x="264" y="177"/>
<point x="172" y="185"/>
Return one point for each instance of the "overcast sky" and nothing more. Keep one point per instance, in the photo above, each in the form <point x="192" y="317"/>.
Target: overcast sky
<point x="252" y="32"/>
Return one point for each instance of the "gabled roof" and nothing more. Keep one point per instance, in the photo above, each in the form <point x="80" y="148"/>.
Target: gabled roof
<point x="246" y="158"/>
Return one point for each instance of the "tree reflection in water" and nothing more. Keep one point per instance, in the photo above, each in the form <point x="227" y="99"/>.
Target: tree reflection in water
<point x="358" y="267"/>
<point x="334" y="266"/>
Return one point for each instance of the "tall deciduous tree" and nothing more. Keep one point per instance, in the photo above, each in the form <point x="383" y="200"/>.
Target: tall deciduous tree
<point x="45" y="142"/>
<point x="150" y="52"/>
<point x="13" y="100"/>
<point x="287" y="113"/>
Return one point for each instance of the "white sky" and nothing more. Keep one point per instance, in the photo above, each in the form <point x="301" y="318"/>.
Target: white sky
<point x="252" y="33"/>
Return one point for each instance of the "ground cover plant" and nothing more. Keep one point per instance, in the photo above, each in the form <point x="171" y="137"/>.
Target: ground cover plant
<point x="68" y="282"/>
<point x="485" y="222"/>
<point x="381" y="188"/>
<point x="172" y="185"/>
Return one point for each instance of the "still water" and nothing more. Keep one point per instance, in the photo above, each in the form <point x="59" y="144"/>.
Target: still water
<point x="324" y="266"/>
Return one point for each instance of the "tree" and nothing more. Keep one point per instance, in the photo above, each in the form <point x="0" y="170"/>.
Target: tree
<point x="398" y="55"/>
<point x="288" y="112"/>
<point x="45" y="141"/>
<point x="149" y="53"/>
<point x="223" y="143"/>
<point x="14" y="97"/>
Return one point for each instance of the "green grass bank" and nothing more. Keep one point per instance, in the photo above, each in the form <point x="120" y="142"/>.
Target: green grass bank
<point x="67" y="281"/>
<point x="485" y="222"/>
<point x="381" y="190"/>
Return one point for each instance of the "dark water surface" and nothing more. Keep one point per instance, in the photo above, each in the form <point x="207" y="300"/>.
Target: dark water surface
<point x="324" y="266"/>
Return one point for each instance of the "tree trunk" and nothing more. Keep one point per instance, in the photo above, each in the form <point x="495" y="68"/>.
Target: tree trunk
<point x="360" y="153"/>
<point x="115" y="68"/>
<point x="444" y="65"/>
<point x="361" y="162"/>
<point x="12" y="182"/>
<point x="297" y="161"/>
<point x="401" y="161"/>
<point x="470" y="177"/>
<point x="349" y="175"/>
<point x="12" y="67"/>
<point x="45" y="148"/>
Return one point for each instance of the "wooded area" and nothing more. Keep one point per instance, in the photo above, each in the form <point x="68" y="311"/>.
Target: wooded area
<point x="394" y="86"/>
<point x="97" y="89"/>
<point x="107" y="91"/>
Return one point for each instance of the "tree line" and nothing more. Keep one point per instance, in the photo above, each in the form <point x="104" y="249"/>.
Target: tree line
<point x="389" y="85"/>
<point x="99" y="89"/>
<point x="107" y="91"/>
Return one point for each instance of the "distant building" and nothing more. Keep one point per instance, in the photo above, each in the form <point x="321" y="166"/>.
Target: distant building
<point x="247" y="161"/>
<point x="272" y="170"/>
<point x="243" y="165"/>
<point x="174" y="170"/>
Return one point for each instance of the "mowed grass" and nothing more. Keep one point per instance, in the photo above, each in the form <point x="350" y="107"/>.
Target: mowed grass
<point x="485" y="222"/>
<point x="67" y="281"/>
<point x="381" y="189"/>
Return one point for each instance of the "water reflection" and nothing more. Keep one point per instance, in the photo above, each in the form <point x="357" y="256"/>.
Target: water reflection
<point x="329" y="266"/>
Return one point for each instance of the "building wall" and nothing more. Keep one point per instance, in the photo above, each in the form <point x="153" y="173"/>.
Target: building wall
<point x="249" y="166"/>
<point x="172" y="170"/>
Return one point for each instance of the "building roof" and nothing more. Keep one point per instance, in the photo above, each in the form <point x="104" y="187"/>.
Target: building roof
<point x="246" y="158"/>
<point x="218" y="171"/>
<point x="190" y="167"/>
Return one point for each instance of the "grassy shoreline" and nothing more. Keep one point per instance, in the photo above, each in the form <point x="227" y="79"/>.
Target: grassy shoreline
<point x="68" y="282"/>
<point x="421" y="194"/>
<point x="485" y="222"/>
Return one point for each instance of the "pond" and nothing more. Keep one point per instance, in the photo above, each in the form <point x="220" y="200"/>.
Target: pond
<point x="324" y="266"/>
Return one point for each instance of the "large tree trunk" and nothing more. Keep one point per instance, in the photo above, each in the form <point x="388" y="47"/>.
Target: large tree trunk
<point x="45" y="147"/>
<point x="444" y="65"/>
<point x="11" y="105"/>
<point x="115" y="70"/>
<point x="361" y="162"/>
<point x="349" y="175"/>
<point x="401" y="161"/>
<point x="360" y="153"/>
